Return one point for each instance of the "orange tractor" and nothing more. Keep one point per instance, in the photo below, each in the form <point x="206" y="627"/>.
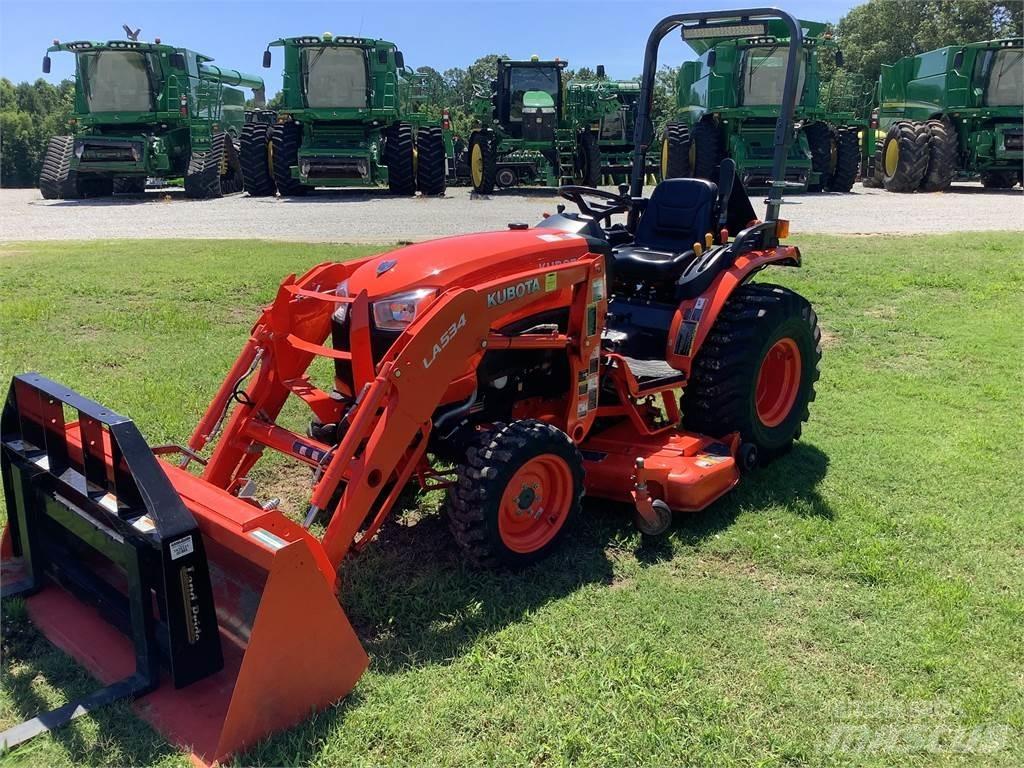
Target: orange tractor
<point x="519" y="369"/>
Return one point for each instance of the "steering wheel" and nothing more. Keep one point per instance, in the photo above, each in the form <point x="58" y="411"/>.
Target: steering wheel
<point x="596" y="203"/>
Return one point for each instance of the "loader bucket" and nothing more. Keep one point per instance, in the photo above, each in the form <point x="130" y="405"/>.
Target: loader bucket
<point x="218" y="617"/>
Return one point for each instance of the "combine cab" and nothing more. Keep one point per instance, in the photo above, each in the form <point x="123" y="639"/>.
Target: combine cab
<point x="348" y="118"/>
<point x="954" y="113"/>
<point x="518" y="370"/>
<point x="147" y="110"/>
<point x="728" y="104"/>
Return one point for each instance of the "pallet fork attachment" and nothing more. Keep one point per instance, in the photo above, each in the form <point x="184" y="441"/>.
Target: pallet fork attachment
<point x="103" y="536"/>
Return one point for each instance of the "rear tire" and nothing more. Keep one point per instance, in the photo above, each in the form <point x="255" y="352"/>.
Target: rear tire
<point x="285" y="139"/>
<point x="430" y="163"/>
<point x="587" y="171"/>
<point x="675" y="152"/>
<point x="847" y="161"/>
<point x="998" y="180"/>
<point x="942" y="146"/>
<point x="129" y="185"/>
<point x="518" y="489"/>
<point x="483" y="163"/>
<point x="400" y="158"/>
<point x="821" y="142"/>
<point x="905" y="156"/>
<point x="706" y="150"/>
<point x="254" y="155"/>
<point x="755" y="372"/>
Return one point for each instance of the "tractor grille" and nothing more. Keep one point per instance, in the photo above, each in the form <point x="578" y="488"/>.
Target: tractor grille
<point x="338" y="135"/>
<point x="380" y="343"/>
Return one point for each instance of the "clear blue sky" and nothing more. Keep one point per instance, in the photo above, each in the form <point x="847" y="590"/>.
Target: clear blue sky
<point x="431" y="33"/>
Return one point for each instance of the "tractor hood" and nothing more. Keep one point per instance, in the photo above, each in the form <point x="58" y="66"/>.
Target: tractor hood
<point x="466" y="261"/>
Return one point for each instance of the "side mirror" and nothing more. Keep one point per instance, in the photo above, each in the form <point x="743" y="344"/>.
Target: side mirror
<point x="178" y="60"/>
<point x="266" y="59"/>
<point x="712" y="57"/>
<point x="399" y="60"/>
<point x="839" y="58"/>
<point x="958" y="61"/>
<point x="46" y="65"/>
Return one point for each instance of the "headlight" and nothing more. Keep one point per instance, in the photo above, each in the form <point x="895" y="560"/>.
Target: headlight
<point x="342" y="309"/>
<point x="395" y="312"/>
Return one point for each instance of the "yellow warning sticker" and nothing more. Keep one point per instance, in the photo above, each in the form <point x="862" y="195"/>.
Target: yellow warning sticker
<point x="550" y="281"/>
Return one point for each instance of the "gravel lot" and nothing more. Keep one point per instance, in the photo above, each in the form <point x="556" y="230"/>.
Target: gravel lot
<point x="361" y="216"/>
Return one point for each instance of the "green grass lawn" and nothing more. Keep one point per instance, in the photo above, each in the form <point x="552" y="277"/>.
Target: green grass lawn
<point x="860" y="601"/>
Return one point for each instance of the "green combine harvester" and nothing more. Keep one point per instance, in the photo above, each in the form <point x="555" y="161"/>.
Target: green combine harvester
<point x="525" y="133"/>
<point x="954" y="113"/>
<point x="608" y="109"/>
<point x="728" y="103"/>
<point x="147" y="110"/>
<point x="348" y="118"/>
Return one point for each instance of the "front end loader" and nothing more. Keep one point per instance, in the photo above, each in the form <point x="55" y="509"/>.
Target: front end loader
<point x="518" y="370"/>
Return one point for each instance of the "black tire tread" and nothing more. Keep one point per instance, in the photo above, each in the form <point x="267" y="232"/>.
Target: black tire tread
<point x="490" y="162"/>
<point x="913" y="141"/>
<point x="588" y="160"/>
<point x="430" y="165"/>
<point x="708" y="154"/>
<point x="478" y="483"/>
<point x="847" y="160"/>
<point x="399" y="144"/>
<point x="286" y="138"/>
<point x="203" y="176"/>
<point x="819" y="139"/>
<point x="257" y="176"/>
<point x="56" y="179"/>
<point x="942" y="152"/>
<point x="677" y="136"/>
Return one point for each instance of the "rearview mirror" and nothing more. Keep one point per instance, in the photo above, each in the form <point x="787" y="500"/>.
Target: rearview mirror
<point x="266" y="59"/>
<point x="839" y="58"/>
<point x="712" y="57"/>
<point x="399" y="60"/>
<point x="46" y="65"/>
<point x="178" y="60"/>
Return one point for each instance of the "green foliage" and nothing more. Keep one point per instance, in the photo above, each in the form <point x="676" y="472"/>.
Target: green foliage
<point x="30" y="113"/>
<point x="882" y="31"/>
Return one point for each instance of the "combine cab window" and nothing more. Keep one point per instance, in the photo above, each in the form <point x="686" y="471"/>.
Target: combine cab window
<point x="764" y="76"/>
<point x="524" y="79"/>
<point x="618" y="126"/>
<point x="334" y="77"/>
<point x="1006" y="79"/>
<point x="116" y="81"/>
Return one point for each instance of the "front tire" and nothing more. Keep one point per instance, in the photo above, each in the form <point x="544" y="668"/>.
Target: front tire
<point x="285" y="139"/>
<point x="587" y="161"/>
<point x="822" y="143"/>
<point x="254" y="155"/>
<point x="430" y="161"/>
<point x="483" y="164"/>
<point x="675" y="152"/>
<point x="847" y="161"/>
<point x="755" y="373"/>
<point x="400" y="158"/>
<point x="905" y="156"/>
<point x="706" y="150"/>
<point x="941" y="156"/>
<point x="518" y="489"/>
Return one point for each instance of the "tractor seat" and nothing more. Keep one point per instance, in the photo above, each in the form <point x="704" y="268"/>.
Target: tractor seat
<point x="679" y="214"/>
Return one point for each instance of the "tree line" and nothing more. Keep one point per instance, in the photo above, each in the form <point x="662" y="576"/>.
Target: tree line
<point x="871" y="34"/>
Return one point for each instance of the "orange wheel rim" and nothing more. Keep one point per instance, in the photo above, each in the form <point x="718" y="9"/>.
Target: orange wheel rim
<point x="535" y="503"/>
<point x="778" y="382"/>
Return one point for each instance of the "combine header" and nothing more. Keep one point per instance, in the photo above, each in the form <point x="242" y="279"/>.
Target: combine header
<point x="147" y="110"/>
<point x="518" y="369"/>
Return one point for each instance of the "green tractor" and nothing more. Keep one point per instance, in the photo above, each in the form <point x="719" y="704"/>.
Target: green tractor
<point x="728" y="104"/>
<point x="348" y="118"/>
<point x="952" y="113"/>
<point x="147" y="110"/>
<point x="608" y="107"/>
<point x="525" y="133"/>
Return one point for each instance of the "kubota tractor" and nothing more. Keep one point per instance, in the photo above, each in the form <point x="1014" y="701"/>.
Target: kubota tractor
<point x="519" y="369"/>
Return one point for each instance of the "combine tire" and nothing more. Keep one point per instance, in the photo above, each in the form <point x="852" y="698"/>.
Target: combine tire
<point x="518" y="488"/>
<point x="285" y="139"/>
<point x="822" y="144"/>
<point x="675" y="152"/>
<point x="129" y="185"/>
<point x="755" y="372"/>
<point x="215" y="172"/>
<point x="905" y="156"/>
<point x="876" y="178"/>
<point x="400" y="158"/>
<point x="587" y="170"/>
<point x="56" y="179"/>
<point x="254" y="155"/>
<point x="941" y="156"/>
<point x="847" y="161"/>
<point x="430" y="161"/>
<point x="483" y="163"/>
<point x="998" y="180"/>
<point x="706" y="151"/>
